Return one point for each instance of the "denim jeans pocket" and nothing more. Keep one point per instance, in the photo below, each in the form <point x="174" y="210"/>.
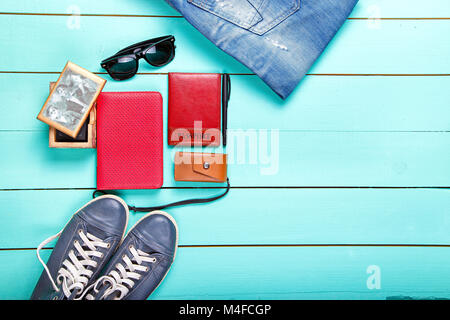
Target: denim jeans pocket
<point x="257" y="16"/>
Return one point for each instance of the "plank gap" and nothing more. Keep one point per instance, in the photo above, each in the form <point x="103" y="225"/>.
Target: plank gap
<point x="252" y="74"/>
<point x="279" y="246"/>
<point x="241" y="187"/>
<point x="180" y="16"/>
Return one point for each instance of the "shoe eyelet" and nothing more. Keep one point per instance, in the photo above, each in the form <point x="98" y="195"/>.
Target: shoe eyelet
<point x="75" y="242"/>
<point x="108" y="245"/>
<point x="130" y="246"/>
<point x="55" y="298"/>
<point x="124" y="256"/>
<point x="101" y="255"/>
<point x="154" y="260"/>
<point x="146" y="269"/>
<point x="80" y="231"/>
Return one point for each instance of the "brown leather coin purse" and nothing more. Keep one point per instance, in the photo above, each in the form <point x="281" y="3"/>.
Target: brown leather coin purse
<point x="200" y="167"/>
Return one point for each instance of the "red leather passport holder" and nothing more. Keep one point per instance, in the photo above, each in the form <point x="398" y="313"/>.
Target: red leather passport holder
<point x="129" y="140"/>
<point x="194" y="109"/>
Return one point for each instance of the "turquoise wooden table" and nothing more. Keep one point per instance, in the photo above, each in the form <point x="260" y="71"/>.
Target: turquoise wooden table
<point x="356" y="204"/>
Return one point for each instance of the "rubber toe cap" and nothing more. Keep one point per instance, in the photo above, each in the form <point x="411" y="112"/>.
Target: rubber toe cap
<point x="107" y="213"/>
<point x="158" y="231"/>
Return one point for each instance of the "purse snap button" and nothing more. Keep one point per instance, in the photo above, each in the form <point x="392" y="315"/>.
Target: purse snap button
<point x="206" y="166"/>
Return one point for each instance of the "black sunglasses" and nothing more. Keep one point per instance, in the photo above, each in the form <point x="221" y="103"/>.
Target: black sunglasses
<point x="124" y="64"/>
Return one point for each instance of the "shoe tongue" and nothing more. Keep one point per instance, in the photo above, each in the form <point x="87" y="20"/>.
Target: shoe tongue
<point x="144" y="247"/>
<point x="149" y="245"/>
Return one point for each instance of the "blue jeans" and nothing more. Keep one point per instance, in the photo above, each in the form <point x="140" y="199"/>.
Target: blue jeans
<point x="279" y="40"/>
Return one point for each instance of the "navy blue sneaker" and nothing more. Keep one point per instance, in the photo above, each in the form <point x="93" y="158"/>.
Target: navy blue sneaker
<point x="84" y="247"/>
<point x="141" y="262"/>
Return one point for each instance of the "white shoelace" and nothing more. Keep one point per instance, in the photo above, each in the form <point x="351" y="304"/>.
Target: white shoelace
<point x="121" y="279"/>
<point x="74" y="273"/>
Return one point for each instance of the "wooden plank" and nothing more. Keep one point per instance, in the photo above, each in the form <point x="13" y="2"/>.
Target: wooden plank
<point x="364" y="8"/>
<point x="250" y="273"/>
<point x="25" y="106"/>
<point x="90" y="44"/>
<point x="249" y="216"/>
<point x="111" y="7"/>
<point x="350" y="104"/>
<point x="401" y="9"/>
<point x="357" y="48"/>
<point x="346" y="159"/>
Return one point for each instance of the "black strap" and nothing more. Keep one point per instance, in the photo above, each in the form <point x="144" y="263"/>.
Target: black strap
<point x="174" y="204"/>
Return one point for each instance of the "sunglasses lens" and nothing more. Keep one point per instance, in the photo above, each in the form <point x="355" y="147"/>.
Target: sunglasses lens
<point x="159" y="54"/>
<point x="124" y="68"/>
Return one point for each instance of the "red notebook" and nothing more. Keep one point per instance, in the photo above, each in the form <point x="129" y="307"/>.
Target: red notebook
<point x="129" y="140"/>
<point x="194" y="109"/>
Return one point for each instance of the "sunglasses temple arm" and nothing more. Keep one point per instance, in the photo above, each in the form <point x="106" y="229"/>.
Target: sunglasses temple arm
<point x="139" y="45"/>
